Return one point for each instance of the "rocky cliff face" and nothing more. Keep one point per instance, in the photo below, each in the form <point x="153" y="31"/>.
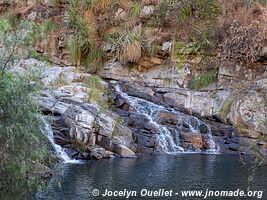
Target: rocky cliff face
<point x="235" y="106"/>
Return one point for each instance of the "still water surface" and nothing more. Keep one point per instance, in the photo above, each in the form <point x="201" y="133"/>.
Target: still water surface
<point x="177" y="173"/>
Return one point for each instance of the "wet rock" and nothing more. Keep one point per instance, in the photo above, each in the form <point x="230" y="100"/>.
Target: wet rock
<point x="167" y="118"/>
<point x="81" y="123"/>
<point x="233" y="147"/>
<point x="145" y="141"/>
<point x="99" y="153"/>
<point x="124" y="151"/>
<point x="190" y="140"/>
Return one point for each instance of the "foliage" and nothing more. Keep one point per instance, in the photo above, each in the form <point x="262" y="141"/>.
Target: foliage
<point x="225" y="109"/>
<point x="96" y="90"/>
<point x="244" y="43"/>
<point x="50" y="26"/>
<point x="127" y="44"/>
<point x="241" y="32"/>
<point x="87" y="3"/>
<point x="176" y="11"/>
<point x="136" y="9"/>
<point x="100" y="5"/>
<point x="82" y="46"/>
<point x="21" y="138"/>
<point x="183" y="50"/>
<point x="203" y="80"/>
<point x="13" y="38"/>
<point x="256" y="160"/>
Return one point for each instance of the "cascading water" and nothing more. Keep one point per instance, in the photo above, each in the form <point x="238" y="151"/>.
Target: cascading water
<point x="60" y="153"/>
<point x="169" y="142"/>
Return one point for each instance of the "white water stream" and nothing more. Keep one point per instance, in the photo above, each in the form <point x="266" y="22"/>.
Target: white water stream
<point x="168" y="142"/>
<point x="60" y="153"/>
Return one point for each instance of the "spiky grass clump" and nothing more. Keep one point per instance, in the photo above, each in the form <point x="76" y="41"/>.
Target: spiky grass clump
<point x="50" y="26"/>
<point x="203" y="80"/>
<point x="96" y="91"/>
<point x="100" y="5"/>
<point x="127" y="44"/>
<point x="135" y="10"/>
<point x="82" y="46"/>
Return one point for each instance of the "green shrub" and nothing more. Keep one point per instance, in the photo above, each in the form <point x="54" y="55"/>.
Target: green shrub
<point x="203" y="80"/>
<point x="22" y="142"/>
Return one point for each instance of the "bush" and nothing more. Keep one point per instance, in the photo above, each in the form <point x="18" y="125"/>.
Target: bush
<point x="127" y="44"/>
<point x="173" y="12"/>
<point x="22" y="142"/>
<point x="241" y="32"/>
<point x="244" y="43"/>
<point x="97" y="91"/>
<point x="136" y="9"/>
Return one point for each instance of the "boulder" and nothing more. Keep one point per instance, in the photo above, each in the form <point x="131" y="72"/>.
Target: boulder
<point x="106" y="125"/>
<point x="249" y="113"/>
<point x="189" y="138"/>
<point x="167" y="118"/>
<point x="147" y="11"/>
<point x="123" y="151"/>
<point x="81" y="123"/>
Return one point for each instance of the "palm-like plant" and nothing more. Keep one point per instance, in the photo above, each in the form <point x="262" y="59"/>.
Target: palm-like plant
<point x="127" y="44"/>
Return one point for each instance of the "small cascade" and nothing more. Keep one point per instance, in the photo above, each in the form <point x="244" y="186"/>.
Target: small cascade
<point x="61" y="154"/>
<point x="169" y="142"/>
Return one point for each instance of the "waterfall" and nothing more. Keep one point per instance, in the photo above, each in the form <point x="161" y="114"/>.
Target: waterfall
<point x="60" y="153"/>
<point x="168" y="142"/>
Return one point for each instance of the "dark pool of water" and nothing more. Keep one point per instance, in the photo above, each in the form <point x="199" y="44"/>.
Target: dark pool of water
<point x="177" y="173"/>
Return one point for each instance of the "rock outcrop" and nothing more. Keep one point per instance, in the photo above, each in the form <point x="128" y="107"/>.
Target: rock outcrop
<point x="78" y="123"/>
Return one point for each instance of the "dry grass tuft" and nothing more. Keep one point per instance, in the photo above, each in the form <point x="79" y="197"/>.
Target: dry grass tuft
<point x="242" y="33"/>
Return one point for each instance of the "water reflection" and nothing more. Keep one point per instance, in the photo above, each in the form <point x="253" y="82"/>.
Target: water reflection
<point x="182" y="172"/>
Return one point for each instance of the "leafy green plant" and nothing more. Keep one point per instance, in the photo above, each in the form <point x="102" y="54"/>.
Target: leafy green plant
<point x="93" y="82"/>
<point x="226" y="107"/>
<point x="12" y="38"/>
<point x="21" y="138"/>
<point x="203" y="80"/>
